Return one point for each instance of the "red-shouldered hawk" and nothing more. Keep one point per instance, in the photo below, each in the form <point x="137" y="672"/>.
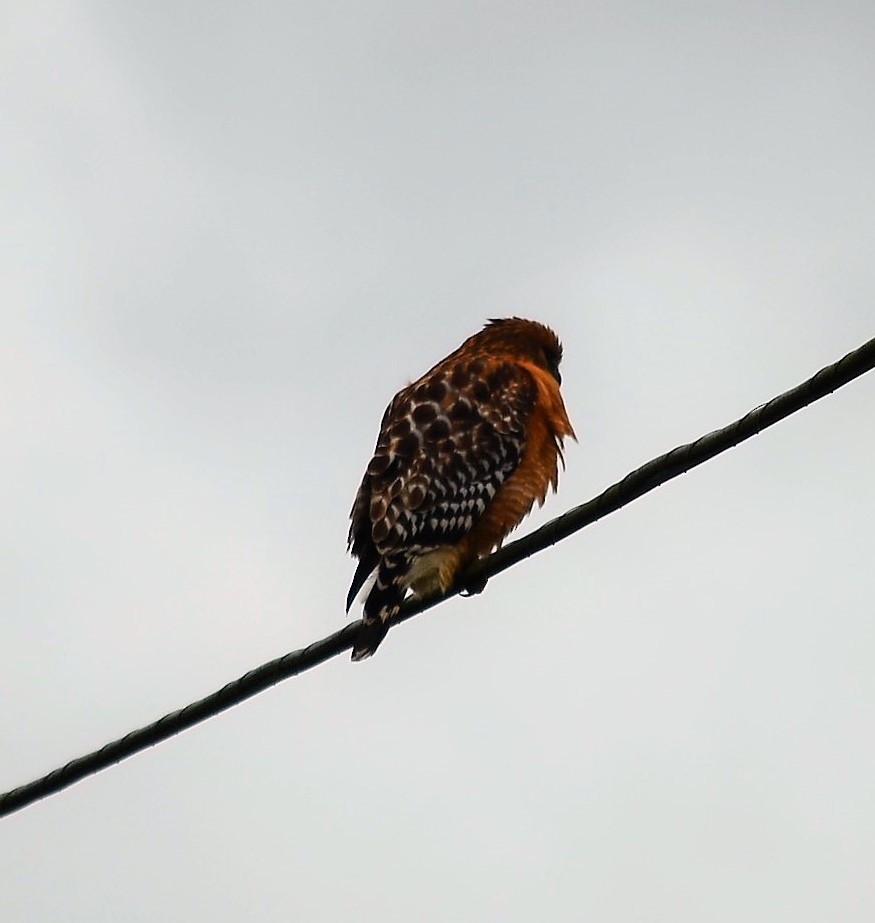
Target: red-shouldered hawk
<point x="462" y="456"/>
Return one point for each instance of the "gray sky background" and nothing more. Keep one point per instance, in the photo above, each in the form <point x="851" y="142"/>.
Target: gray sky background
<point x="230" y="233"/>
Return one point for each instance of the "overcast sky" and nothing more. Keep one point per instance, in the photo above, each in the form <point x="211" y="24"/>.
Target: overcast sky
<point x="230" y="233"/>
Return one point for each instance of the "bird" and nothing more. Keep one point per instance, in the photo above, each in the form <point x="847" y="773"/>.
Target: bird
<point x="462" y="455"/>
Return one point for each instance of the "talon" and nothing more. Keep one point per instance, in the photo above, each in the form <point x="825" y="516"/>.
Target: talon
<point x="474" y="587"/>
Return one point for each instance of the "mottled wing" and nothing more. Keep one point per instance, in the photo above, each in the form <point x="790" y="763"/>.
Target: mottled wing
<point x="446" y="445"/>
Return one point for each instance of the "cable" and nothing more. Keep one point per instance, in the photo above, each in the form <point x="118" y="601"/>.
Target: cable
<point x="634" y="485"/>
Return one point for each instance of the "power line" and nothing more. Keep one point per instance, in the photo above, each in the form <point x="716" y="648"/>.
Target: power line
<point x="634" y="485"/>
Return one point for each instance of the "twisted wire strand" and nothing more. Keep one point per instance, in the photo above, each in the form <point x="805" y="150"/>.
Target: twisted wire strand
<point x="640" y="481"/>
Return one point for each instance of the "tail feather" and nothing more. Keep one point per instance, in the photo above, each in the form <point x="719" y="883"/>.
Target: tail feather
<point x="369" y="640"/>
<point x="381" y="606"/>
<point x="369" y="560"/>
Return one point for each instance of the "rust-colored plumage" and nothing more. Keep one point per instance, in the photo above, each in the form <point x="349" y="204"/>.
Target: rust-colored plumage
<point x="462" y="456"/>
